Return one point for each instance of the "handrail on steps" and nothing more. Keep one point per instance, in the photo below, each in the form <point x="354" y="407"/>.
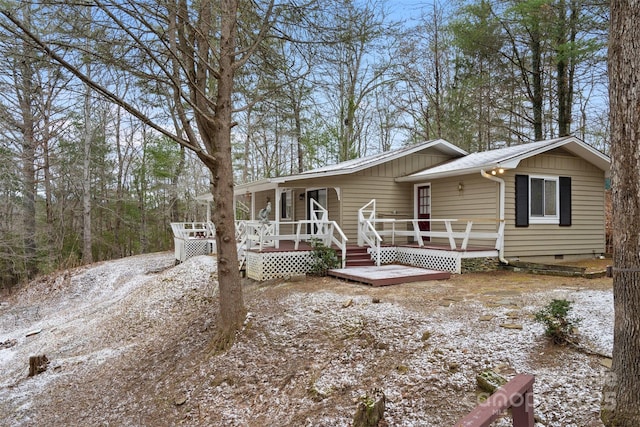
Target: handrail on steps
<point x="366" y="229"/>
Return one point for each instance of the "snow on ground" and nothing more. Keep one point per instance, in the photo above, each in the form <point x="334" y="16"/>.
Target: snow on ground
<point x="128" y="344"/>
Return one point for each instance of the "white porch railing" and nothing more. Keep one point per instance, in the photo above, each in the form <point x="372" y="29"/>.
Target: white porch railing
<point x="259" y="235"/>
<point x="195" y="229"/>
<point x="367" y="233"/>
<point x="193" y="238"/>
<point x="457" y="237"/>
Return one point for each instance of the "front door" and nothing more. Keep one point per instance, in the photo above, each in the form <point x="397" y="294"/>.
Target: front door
<point x="424" y="207"/>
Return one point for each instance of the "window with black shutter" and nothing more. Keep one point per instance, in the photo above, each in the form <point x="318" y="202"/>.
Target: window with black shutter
<point x="543" y="200"/>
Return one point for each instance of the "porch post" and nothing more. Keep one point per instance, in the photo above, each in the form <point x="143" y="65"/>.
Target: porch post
<point x="252" y="215"/>
<point x="276" y="226"/>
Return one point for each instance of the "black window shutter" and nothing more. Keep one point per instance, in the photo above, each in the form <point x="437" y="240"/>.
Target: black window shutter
<point x="283" y="205"/>
<point x="565" y="201"/>
<point x="522" y="200"/>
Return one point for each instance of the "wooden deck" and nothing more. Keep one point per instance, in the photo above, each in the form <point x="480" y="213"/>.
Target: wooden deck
<point x="386" y="275"/>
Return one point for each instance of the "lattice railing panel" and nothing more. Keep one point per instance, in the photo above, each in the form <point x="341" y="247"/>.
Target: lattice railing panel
<point x="270" y="265"/>
<point x="197" y="247"/>
<point x="433" y="260"/>
<point x="388" y="254"/>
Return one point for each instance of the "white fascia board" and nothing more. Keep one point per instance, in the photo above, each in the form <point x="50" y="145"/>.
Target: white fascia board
<point x="575" y="146"/>
<point x="417" y="177"/>
<point x="254" y="187"/>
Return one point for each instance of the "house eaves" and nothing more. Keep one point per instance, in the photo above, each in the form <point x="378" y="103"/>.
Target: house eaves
<point x="356" y="165"/>
<point x="509" y="158"/>
<point x="255" y="186"/>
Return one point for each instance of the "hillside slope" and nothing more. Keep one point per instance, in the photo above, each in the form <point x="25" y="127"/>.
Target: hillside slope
<point x="128" y="344"/>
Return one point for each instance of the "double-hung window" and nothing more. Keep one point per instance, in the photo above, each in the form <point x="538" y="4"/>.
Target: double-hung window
<point x="543" y="200"/>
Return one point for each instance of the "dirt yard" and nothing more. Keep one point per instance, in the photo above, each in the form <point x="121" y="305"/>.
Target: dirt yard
<point x="129" y="344"/>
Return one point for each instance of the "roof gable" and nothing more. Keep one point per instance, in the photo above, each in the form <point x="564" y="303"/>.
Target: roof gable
<point x="355" y="165"/>
<point x="509" y="158"/>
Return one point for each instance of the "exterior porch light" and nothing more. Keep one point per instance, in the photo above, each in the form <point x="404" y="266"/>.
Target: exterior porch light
<point x="460" y="186"/>
<point x="301" y="196"/>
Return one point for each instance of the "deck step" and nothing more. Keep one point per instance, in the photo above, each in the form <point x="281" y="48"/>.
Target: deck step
<point x="388" y="274"/>
<point x="359" y="263"/>
<point x="358" y="256"/>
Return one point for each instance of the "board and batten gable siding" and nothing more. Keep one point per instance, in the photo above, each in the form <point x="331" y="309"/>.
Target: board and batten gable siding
<point x="478" y="199"/>
<point x="585" y="236"/>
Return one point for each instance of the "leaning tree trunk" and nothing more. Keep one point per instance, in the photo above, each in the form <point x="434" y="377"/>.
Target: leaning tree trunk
<point x="621" y="406"/>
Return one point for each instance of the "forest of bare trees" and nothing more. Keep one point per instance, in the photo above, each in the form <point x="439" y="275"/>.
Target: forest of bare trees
<point x="91" y="169"/>
<point x="116" y="114"/>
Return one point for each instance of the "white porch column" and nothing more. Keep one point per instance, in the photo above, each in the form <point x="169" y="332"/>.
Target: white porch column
<point x="276" y="228"/>
<point x="252" y="215"/>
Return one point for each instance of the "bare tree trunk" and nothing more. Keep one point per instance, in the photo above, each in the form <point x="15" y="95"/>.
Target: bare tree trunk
<point x="143" y="179"/>
<point x="174" y="199"/>
<point x="564" y="115"/>
<point x="297" y="120"/>
<point x="87" y="253"/>
<point x="621" y="406"/>
<point x="52" y="248"/>
<point x="117" y="226"/>
<point x="437" y="80"/>
<point x="536" y="70"/>
<point x="217" y="137"/>
<point x="25" y="97"/>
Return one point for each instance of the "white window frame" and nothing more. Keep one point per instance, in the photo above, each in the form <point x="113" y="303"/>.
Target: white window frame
<point x="545" y="219"/>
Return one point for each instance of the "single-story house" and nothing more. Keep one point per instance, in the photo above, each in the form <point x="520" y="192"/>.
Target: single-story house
<point x="533" y="202"/>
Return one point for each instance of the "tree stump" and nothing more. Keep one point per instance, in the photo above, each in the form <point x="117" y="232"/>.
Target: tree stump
<point x="37" y="364"/>
<point x="370" y="410"/>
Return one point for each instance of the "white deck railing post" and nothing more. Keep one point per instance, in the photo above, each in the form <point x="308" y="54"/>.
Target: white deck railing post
<point x="367" y="233"/>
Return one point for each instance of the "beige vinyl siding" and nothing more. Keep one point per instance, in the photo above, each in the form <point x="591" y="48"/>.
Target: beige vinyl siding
<point x="478" y="199"/>
<point x="585" y="236"/>
<point x="299" y="206"/>
<point x="378" y="182"/>
<point x="345" y="210"/>
<point x="393" y="199"/>
<point x="261" y="203"/>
